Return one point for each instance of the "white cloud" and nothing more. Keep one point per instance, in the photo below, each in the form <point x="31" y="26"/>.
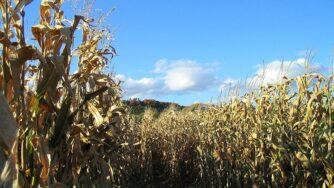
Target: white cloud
<point x="139" y="88"/>
<point x="178" y="76"/>
<point x="230" y="89"/>
<point x="160" y="65"/>
<point x="274" y="71"/>
<point x="184" y="76"/>
<point x="229" y="83"/>
<point x="187" y="75"/>
<point x="271" y="73"/>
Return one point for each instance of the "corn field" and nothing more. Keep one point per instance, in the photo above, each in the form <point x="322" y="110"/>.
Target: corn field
<point x="63" y="129"/>
<point x="280" y="137"/>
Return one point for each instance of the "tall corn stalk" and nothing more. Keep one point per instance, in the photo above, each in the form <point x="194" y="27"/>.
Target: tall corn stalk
<point x="58" y="128"/>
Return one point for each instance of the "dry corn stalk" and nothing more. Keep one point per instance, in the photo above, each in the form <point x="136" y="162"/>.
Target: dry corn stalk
<point x="67" y="129"/>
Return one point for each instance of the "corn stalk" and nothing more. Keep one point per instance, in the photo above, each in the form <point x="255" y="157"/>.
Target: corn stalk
<point x="65" y="126"/>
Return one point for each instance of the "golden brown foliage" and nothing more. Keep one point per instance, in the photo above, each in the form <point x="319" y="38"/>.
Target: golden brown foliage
<point x="280" y="137"/>
<point x="61" y="129"/>
<point x="68" y="124"/>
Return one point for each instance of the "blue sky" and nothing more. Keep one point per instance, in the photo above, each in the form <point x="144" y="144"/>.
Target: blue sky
<point x="186" y="51"/>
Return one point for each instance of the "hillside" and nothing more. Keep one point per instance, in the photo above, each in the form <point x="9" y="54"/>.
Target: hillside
<point x="137" y="107"/>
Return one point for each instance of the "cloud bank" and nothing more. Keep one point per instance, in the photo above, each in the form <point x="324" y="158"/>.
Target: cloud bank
<point x="172" y="77"/>
<point x="185" y="76"/>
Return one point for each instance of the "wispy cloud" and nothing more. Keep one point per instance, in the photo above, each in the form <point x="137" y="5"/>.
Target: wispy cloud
<point x="229" y="83"/>
<point x="272" y="73"/>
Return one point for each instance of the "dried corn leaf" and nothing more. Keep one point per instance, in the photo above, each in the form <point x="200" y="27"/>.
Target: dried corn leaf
<point x="92" y="95"/>
<point x="4" y="39"/>
<point x="117" y="109"/>
<point x="61" y="123"/>
<point x="95" y="112"/>
<point x="45" y="11"/>
<point x="302" y="157"/>
<point x="20" y="5"/>
<point x="8" y="175"/>
<point x="8" y="125"/>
